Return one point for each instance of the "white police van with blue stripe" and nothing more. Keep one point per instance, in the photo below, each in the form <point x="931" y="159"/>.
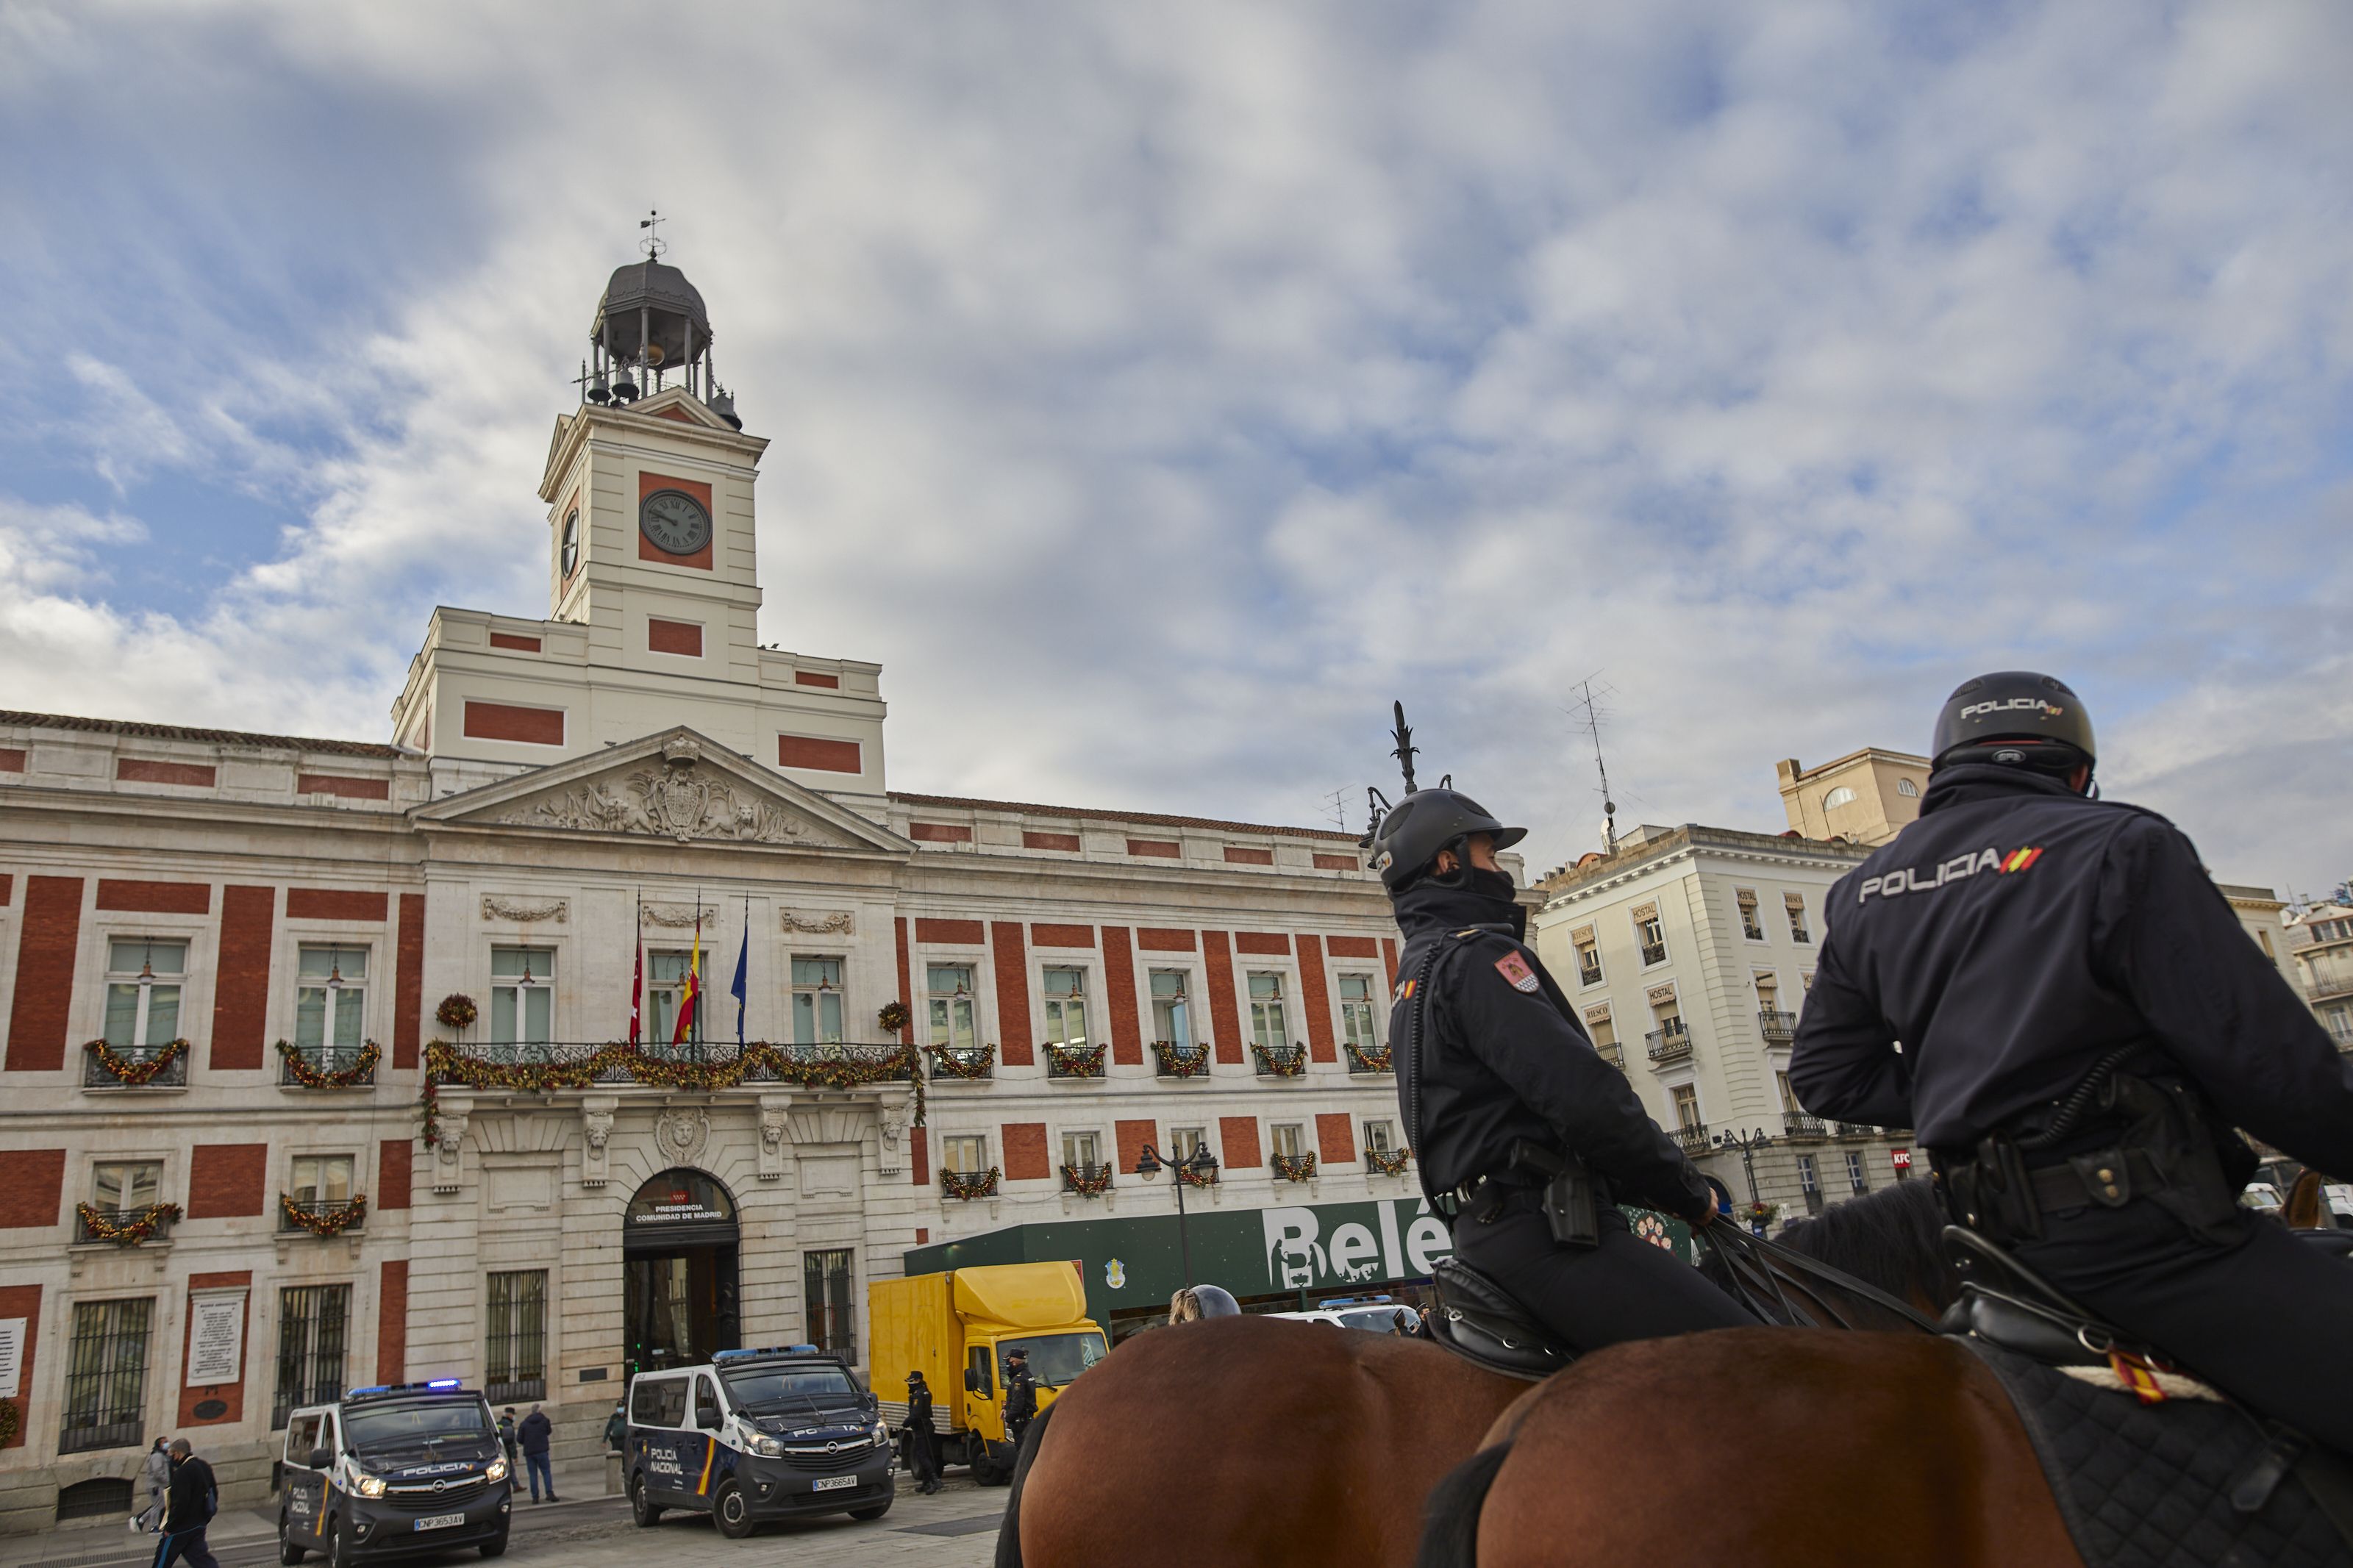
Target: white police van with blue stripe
<point x="391" y="1469"/>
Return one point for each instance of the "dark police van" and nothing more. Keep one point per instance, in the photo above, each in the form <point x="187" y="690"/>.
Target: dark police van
<point x="401" y="1468"/>
<point x="755" y="1435"/>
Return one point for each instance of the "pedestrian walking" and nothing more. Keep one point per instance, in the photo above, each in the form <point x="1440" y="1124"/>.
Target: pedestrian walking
<point x="190" y="1502"/>
<point x="507" y="1439"/>
<point x="617" y="1429"/>
<point x="533" y="1433"/>
<point x="1020" y="1396"/>
<point x="923" y="1439"/>
<point x="156" y="1471"/>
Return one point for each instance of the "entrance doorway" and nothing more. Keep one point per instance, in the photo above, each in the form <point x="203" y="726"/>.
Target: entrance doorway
<point x="677" y="1268"/>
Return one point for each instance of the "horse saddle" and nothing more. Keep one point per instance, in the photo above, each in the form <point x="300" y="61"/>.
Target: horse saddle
<point x="2170" y="1482"/>
<point x="1478" y="1320"/>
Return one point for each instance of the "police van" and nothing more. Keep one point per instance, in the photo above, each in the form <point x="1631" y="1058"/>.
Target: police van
<point x="392" y="1469"/>
<point x="755" y="1435"/>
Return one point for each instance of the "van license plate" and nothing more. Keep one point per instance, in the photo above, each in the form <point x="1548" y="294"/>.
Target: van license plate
<point x="440" y="1521"/>
<point x="833" y="1483"/>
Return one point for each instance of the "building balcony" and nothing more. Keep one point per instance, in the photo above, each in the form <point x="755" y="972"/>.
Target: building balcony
<point x="1291" y="1167"/>
<point x="327" y="1066"/>
<point x="320" y="1216"/>
<point x="124" y="1227"/>
<point x="1279" y="1061"/>
<point x="1181" y="1061"/>
<point x="702" y="1066"/>
<point x="1671" y="1043"/>
<point x="107" y="1066"/>
<point x="1613" y="1053"/>
<point x="1074" y="1061"/>
<point x="1853" y="1130"/>
<point x="1087" y="1180"/>
<point x="1653" y="953"/>
<point x="1800" y="1128"/>
<point x="1778" y="1028"/>
<point x="2328" y="988"/>
<point x="1367" y="1061"/>
<point x="1588" y="973"/>
<point x="1691" y="1139"/>
<point x="967" y="1185"/>
<point x="962" y="1064"/>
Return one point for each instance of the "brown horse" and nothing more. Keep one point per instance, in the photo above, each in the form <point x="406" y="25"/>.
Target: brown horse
<point x="1245" y="1442"/>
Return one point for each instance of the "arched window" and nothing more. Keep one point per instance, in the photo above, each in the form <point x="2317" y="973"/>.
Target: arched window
<point x="1838" y="797"/>
<point x="1906" y="788"/>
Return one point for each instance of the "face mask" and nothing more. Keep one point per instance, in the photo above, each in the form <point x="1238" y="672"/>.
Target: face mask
<point x="1492" y="884"/>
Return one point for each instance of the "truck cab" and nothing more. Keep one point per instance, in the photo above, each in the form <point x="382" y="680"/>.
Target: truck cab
<point x="961" y="1327"/>
<point x="393" y="1470"/>
<point x="755" y="1435"/>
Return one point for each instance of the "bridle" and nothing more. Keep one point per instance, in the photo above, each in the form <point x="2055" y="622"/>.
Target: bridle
<point x="1759" y="1268"/>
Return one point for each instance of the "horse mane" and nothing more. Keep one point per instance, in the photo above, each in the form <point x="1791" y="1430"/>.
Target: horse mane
<point x="1893" y="1238"/>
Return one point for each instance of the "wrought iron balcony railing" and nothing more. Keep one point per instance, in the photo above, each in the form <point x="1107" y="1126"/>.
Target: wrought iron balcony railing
<point x="1798" y="1126"/>
<point x="135" y="1067"/>
<point x="1613" y="1053"/>
<point x="962" y="1064"/>
<point x="1691" y="1140"/>
<point x="1279" y="1061"/>
<point x="1653" y="953"/>
<point x="320" y="1216"/>
<point x="1364" y="1060"/>
<point x="1074" y="1061"/>
<point x="1856" y="1130"/>
<point x="328" y="1066"/>
<point x="1671" y="1043"/>
<point x="124" y="1227"/>
<point x="1181" y="1061"/>
<point x="1779" y="1027"/>
<point x="613" y="1061"/>
<point x="1087" y="1180"/>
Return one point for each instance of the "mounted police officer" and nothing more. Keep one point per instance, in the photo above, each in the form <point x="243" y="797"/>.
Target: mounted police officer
<point x="2084" y="1022"/>
<point x="1524" y="1135"/>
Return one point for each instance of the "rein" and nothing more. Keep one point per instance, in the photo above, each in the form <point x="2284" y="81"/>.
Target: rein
<point x="1759" y="1267"/>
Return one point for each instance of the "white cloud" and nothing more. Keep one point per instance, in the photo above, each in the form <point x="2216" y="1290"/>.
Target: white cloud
<point x="1159" y="392"/>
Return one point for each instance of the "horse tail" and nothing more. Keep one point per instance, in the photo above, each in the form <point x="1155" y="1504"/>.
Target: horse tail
<point x="1008" y="1534"/>
<point x="1450" y="1526"/>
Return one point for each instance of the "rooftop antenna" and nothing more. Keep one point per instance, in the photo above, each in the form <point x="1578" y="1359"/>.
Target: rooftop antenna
<point x="1591" y="725"/>
<point x="1335" y="806"/>
<point x="653" y="245"/>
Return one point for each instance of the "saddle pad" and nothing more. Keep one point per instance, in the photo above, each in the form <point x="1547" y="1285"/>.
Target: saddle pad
<point x="2149" y="1486"/>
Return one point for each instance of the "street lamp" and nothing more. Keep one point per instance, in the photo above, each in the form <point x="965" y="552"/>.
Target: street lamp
<point x="1201" y="1164"/>
<point x="1748" y="1144"/>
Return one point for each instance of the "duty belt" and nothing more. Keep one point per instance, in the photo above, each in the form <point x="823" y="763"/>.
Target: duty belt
<point x="2099" y="1178"/>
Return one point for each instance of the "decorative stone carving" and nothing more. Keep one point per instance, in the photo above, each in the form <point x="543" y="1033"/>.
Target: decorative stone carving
<point x="837" y="923"/>
<point x="682" y="801"/>
<point x="522" y="911"/>
<point x="595" y="1133"/>
<point x="775" y="1135"/>
<point x="891" y="1119"/>
<point x="829" y="1123"/>
<point x="677" y="915"/>
<point x="680" y="1133"/>
<point x="452" y="1112"/>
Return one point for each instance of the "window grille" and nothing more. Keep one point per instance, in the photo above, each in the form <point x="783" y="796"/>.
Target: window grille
<point x="825" y="1296"/>
<point x="106" y="1376"/>
<point x="314" y="1323"/>
<point x="516" y="1355"/>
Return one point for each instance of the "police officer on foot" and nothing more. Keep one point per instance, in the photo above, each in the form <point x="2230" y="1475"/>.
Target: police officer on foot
<point x="1020" y="1396"/>
<point x="2084" y="1023"/>
<point x="923" y="1439"/>
<point x="1501" y="1089"/>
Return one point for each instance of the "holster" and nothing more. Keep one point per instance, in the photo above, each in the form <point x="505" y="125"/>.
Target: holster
<point x="1572" y="1201"/>
<point x="1990" y="1191"/>
<point x="2191" y="1148"/>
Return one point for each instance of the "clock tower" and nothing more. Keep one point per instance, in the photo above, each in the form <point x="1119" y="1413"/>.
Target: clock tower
<point x="653" y="590"/>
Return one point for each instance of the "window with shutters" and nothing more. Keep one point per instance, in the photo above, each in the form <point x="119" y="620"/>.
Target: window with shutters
<point x="1283" y="1139"/>
<point x="1686" y="1100"/>
<point x="1650" y="935"/>
<point x="1588" y="955"/>
<point x="1752" y="925"/>
<point x="1081" y="1151"/>
<point x="1795" y="904"/>
<point x="1380" y="1138"/>
<point x="1603" y="1030"/>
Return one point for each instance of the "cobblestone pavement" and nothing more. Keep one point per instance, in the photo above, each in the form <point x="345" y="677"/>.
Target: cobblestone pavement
<point x="957" y="1529"/>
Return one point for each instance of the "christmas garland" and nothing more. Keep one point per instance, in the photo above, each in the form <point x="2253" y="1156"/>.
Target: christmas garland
<point x="132" y="1073"/>
<point x="429" y="1105"/>
<point x="1378" y="1059"/>
<point x="963" y="1061"/>
<point x="362" y="1071"/>
<point x="1390" y="1164"/>
<point x="1193" y="1178"/>
<point x="445" y="1064"/>
<point x="1292" y="1167"/>
<point x="456" y="1011"/>
<point x="1077" y="1061"/>
<point x="1087" y="1186"/>
<point x="98" y="1227"/>
<point x="1291" y="1063"/>
<point x="328" y="1222"/>
<point x="11" y="1423"/>
<point x="1181" y="1061"/>
<point x="893" y="1017"/>
<point x="967" y="1185"/>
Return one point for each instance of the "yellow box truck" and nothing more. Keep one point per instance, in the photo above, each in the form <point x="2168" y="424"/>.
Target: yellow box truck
<point x="958" y="1328"/>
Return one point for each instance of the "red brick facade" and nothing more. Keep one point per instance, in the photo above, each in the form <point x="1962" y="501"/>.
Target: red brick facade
<point x="515" y="642"/>
<point x="392" y="1321"/>
<point x="1068" y="842"/>
<point x="508" y="722"/>
<point x="408" y="979"/>
<point x="1238" y="1142"/>
<point x="1012" y="993"/>
<point x="1024" y="1152"/>
<point x="1225" y="1019"/>
<point x="1265" y="943"/>
<point x="396" y="1158"/>
<point x="816" y="679"/>
<point x="45" y="975"/>
<point x="820" y="754"/>
<point x="155" y="898"/>
<point x="32" y="1188"/>
<point x="1062" y="935"/>
<point x="950" y="933"/>
<point x="1131" y="1137"/>
<point x="683" y="638"/>
<point x="227" y="1181"/>
<point x="345" y="785"/>
<point x="1335" y="1138"/>
<point x="1315" y="993"/>
<point x="242" y="983"/>
<point x="1240" y="855"/>
<point x="939" y="832"/>
<point x="1119" y="983"/>
<point x="1159" y="938"/>
<point x="145" y="770"/>
<point x="1335" y="862"/>
<point x="22" y="1301"/>
<point x="336" y="904"/>
<point x="229" y="1395"/>
<point x="1353" y="947"/>
<point x="1161" y="848"/>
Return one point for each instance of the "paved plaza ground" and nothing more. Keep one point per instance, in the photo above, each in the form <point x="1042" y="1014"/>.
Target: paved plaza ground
<point x="957" y="1529"/>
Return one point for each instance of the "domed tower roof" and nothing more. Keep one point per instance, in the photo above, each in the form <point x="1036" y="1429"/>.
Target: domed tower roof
<point x="650" y="302"/>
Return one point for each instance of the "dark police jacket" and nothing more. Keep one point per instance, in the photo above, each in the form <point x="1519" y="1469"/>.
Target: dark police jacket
<point x="1020" y="1396"/>
<point x="2016" y="934"/>
<point x="1503" y="1059"/>
<point x="919" y="1410"/>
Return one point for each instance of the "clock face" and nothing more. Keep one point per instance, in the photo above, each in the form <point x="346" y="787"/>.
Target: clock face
<point x="571" y="554"/>
<point x="675" y="522"/>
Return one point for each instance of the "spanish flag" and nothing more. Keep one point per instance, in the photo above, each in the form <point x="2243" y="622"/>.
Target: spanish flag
<point x="678" y="1036"/>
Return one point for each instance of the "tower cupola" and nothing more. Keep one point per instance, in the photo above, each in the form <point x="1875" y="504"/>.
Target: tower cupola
<point x="652" y="326"/>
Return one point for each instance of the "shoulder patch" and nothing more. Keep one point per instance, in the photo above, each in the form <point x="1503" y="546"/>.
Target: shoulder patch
<point x="1515" y="969"/>
<point x="1405" y="989"/>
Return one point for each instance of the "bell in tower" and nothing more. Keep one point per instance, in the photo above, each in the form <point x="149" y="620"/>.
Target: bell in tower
<point x="652" y="325"/>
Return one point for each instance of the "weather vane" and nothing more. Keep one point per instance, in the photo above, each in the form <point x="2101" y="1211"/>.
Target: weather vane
<point x="652" y="245"/>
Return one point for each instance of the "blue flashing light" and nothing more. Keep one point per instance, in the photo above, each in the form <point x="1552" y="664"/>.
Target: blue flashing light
<point x="372" y="1388"/>
<point x="443" y="1382"/>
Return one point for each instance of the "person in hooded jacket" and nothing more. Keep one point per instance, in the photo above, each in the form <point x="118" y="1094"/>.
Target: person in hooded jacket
<point x="157" y="1469"/>
<point x="2084" y="1024"/>
<point x="923" y="1438"/>
<point x="1491" y="1057"/>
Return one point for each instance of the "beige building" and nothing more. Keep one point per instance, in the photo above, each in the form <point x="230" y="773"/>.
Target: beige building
<point x="2320" y="938"/>
<point x="1688" y="954"/>
<point x="1864" y="797"/>
<point x="316" y="1066"/>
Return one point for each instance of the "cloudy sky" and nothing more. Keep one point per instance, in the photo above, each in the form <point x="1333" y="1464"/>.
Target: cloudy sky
<point x="1157" y="391"/>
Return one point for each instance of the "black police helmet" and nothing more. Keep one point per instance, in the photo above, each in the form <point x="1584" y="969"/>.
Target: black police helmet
<point x="1422" y="824"/>
<point x="2014" y="705"/>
